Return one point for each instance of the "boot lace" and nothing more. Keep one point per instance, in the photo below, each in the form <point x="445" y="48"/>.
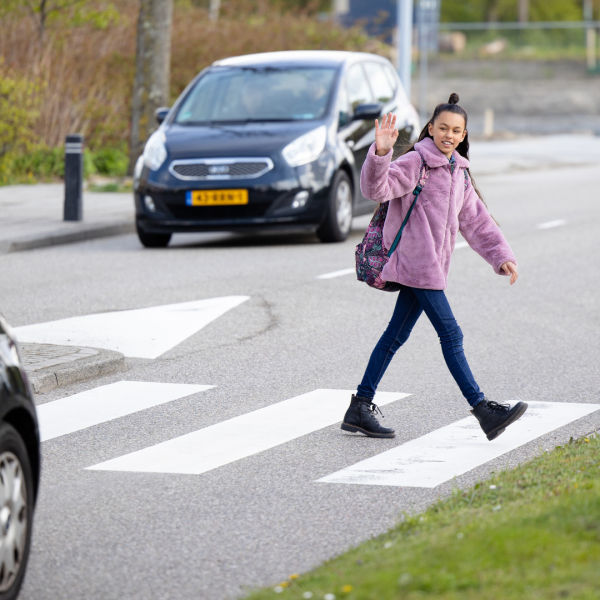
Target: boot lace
<point x="374" y="410"/>
<point x="499" y="407"/>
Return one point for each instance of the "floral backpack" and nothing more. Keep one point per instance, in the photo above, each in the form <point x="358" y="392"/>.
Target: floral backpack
<point x="371" y="254"/>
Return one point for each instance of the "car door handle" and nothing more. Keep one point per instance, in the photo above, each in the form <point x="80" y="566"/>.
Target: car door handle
<point x="350" y="143"/>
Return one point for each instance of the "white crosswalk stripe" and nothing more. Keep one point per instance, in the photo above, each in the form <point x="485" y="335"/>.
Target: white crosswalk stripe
<point x="141" y="333"/>
<point x="455" y="449"/>
<point x="424" y="462"/>
<point x="242" y="436"/>
<point x="105" y="403"/>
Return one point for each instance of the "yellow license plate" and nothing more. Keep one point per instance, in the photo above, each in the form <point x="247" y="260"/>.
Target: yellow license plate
<point x="216" y="197"/>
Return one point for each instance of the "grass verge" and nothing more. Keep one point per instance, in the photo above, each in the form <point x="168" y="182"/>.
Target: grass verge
<point x="532" y="532"/>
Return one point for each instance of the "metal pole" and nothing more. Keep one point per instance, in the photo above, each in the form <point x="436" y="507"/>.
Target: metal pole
<point x="73" y="210"/>
<point x="590" y="36"/>
<point x="404" y="19"/>
<point x="423" y="50"/>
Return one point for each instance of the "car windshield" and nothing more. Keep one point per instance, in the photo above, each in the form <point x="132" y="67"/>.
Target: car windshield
<point x="252" y="94"/>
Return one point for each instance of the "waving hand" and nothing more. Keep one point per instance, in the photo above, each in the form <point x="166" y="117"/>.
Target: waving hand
<point x="386" y="135"/>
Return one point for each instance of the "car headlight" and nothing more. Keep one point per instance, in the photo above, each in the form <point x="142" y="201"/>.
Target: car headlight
<point x="155" y="152"/>
<point x="306" y="148"/>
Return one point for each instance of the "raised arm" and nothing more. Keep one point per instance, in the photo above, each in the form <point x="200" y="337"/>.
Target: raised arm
<point x="484" y="235"/>
<point x="380" y="178"/>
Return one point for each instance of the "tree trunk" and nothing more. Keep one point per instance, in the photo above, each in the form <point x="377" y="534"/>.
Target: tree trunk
<point x="213" y="13"/>
<point x="523" y="11"/>
<point x="491" y="11"/>
<point x="152" y="71"/>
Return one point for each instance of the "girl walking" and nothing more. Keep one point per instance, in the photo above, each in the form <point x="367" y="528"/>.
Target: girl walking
<point x="448" y="203"/>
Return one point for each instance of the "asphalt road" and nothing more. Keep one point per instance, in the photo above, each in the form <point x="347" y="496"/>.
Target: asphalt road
<point x="128" y="535"/>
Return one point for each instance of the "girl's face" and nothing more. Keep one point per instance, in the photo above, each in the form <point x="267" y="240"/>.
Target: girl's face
<point x="448" y="131"/>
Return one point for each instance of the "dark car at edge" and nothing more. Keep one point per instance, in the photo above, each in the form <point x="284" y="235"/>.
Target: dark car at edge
<point x="19" y="465"/>
<point x="268" y="141"/>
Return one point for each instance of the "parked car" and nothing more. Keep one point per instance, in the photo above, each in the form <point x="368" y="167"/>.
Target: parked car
<point x="265" y="141"/>
<point x="19" y="466"/>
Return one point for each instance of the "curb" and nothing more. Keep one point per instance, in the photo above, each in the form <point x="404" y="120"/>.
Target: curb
<point x="89" y="232"/>
<point x="105" y="362"/>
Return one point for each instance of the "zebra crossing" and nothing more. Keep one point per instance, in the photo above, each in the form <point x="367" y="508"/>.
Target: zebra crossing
<point x="426" y="462"/>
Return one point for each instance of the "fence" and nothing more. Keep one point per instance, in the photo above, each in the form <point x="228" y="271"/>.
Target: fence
<point x="494" y="47"/>
<point x="544" y="39"/>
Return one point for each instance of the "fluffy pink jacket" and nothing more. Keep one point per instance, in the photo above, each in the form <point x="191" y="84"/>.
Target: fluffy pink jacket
<point x="447" y="204"/>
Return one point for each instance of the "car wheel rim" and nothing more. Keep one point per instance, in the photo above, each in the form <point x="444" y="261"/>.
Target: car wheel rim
<point x="13" y="519"/>
<point x="344" y="206"/>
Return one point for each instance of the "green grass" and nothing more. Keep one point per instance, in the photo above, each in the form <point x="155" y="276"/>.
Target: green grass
<point x="113" y="186"/>
<point x="526" y="534"/>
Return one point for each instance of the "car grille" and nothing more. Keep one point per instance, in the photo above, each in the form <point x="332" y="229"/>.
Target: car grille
<point x="226" y="169"/>
<point x="215" y="213"/>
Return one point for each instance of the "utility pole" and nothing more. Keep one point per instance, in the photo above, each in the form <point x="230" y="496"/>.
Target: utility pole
<point x="590" y="36"/>
<point x="404" y="20"/>
<point x="523" y="11"/>
<point x="152" y="71"/>
<point x="423" y="26"/>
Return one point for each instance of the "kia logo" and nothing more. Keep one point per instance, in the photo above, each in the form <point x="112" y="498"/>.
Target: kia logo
<point x="218" y="169"/>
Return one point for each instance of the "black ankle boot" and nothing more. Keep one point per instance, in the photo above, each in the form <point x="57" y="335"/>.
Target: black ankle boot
<point x="360" y="417"/>
<point x="494" y="418"/>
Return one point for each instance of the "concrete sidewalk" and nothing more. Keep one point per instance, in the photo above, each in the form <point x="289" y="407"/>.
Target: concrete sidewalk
<point x="49" y="366"/>
<point x="31" y="217"/>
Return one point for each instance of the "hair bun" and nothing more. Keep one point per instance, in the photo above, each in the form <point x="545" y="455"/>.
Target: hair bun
<point x="453" y="98"/>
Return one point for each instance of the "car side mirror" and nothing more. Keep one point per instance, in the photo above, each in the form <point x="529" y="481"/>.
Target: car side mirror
<point x="161" y="114"/>
<point x="367" y="112"/>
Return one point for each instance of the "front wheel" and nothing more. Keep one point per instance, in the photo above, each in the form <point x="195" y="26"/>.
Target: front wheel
<point x="338" y="220"/>
<point x="152" y="240"/>
<point x="16" y="511"/>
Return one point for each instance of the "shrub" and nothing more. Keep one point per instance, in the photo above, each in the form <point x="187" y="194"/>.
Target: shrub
<point x="19" y="100"/>
<point x="112" y="162"/>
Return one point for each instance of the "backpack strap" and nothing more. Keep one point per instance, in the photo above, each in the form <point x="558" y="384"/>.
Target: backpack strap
<point x="423" y="173"/>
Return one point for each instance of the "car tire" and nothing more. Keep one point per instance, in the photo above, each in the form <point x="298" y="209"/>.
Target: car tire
<point x="338" y="219"/>
<point x="152" y="240"/>
<point x="16" y="511"/>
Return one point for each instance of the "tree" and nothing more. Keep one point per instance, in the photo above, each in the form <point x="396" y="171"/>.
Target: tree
<point x="70" y="12"/>
<point x="523" y="11"/>
<point x="152" y="71"/>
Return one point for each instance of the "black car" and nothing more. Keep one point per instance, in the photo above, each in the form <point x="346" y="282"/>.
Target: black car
<point x="19" y="466"/>
<point x="266" y="141"/>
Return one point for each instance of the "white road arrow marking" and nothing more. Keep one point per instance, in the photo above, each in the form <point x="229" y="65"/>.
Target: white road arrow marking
<point x="141" y="333"/>
<point x="105" y="403"/>
<point x="242" y="436"/>
<point x="455" y="449"/>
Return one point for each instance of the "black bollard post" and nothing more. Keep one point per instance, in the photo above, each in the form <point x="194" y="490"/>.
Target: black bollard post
<point x="74" y="178"/>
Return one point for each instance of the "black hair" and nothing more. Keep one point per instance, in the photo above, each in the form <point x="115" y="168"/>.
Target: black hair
<point x="463" y="148"/>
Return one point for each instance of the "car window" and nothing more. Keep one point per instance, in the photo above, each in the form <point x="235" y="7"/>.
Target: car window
<point x="380" y="82"/>
<point x="392" y="76"/>
<point x="227" y="94"/>
<point x="358" y="88"/>
<point x="396" y="84"/>
<point x="344" y="108"/>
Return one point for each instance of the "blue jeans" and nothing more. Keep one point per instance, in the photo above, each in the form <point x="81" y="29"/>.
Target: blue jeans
<point x="411" y="303"/>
